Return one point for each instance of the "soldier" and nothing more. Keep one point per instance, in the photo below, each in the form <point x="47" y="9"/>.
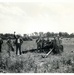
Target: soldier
<point x="10" y="47"/>
<point x="56" y="44"/>
<point x="1" y="42"/>
<point x="57" y="40"/>
<point x="40" y="43"/>
<point x="18" y="43"/>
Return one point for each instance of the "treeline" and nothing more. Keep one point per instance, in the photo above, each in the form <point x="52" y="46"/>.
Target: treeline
<point x="7" y="35"/>
<point x="52" y="34"/>
<point x="36" y="35"/>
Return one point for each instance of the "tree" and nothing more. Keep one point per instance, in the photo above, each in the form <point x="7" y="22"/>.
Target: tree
<point x="40" y="33"/>
<point x="71" y="35"/>
<point x="48" y="34"/>
<point x="36" y="34"/>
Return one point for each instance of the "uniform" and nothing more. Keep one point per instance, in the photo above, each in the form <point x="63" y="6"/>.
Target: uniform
<point x="56" y="44"/>
<point x="10" y="47"/>
<point x="40" y="43"/>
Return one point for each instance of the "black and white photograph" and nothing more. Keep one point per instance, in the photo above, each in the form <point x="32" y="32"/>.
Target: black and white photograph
<point x="37" y="36"/>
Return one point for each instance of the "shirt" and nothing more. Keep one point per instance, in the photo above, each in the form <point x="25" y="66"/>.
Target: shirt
<point x="18" y="40"/>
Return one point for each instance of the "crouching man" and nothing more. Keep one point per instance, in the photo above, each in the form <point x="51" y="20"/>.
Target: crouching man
<point x="10" y="47"/>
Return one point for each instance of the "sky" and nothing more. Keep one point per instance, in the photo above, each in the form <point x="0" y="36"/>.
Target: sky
<point x="28" y="17"/>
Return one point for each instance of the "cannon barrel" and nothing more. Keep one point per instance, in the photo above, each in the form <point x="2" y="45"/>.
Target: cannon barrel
<point x="33" y="50"/>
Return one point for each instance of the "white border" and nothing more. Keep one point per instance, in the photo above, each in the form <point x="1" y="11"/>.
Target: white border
<point x="59" y="1"/>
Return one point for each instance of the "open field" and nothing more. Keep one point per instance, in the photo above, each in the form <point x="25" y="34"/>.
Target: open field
<point x="33" y="62"/>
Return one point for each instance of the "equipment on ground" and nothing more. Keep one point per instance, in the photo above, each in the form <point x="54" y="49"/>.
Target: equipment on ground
<point x="47" y="48"/>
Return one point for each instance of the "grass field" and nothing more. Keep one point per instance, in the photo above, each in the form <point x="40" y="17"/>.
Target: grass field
<point x="33" y="62"/>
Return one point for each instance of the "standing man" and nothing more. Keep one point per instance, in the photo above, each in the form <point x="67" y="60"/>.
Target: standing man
<point x="55" y="47"/>
<point x="18" y="43"/>
<point x="56" y="44"/>
<point x="48" y="41"/>
<point x="1" y="42"/>
<point x="40" y="43"/>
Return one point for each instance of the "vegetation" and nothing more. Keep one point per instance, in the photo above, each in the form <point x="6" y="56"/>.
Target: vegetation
<point x="33" y="62"/>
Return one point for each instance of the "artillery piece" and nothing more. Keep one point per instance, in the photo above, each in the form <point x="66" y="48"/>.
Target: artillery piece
<point x="42" y="46"/>
<point x="45" y="47"/>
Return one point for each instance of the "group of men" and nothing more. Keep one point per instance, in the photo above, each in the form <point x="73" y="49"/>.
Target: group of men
<point x="42" y="43"/>
<point x="18" y="42"/>
<point x="47" y="44"/>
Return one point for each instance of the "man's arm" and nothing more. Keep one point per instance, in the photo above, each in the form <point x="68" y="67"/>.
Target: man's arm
<point x="14" y="35"/>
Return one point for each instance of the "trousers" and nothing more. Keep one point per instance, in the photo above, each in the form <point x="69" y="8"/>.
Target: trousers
<point x="18" y="48"/>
